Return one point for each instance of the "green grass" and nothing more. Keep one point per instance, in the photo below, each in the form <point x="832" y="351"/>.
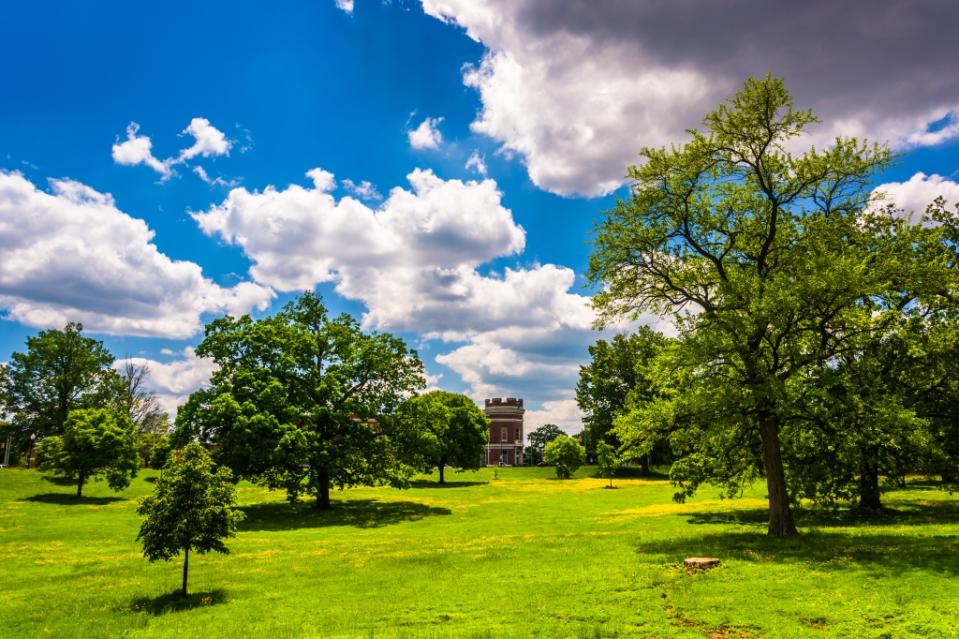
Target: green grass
<point x="524" y="555"/>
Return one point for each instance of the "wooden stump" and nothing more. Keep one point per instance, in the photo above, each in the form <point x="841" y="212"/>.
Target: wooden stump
<point x="700" y="563"/>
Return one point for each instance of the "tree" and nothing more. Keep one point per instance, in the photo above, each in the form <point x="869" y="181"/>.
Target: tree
<point x="301" y="401"/>
<point x="539" y="438"/>
<point x="566" y="454"/>
<point x="190" y="509"/>
<point x="616" y="371"/>
<point x="61" y="371"/>
<point x="95" y="442"/>
<point x="607" y="460"/>
<point x="140" y="403"/>
<point x="761" y="259"/>
<point x="439" y="429"/>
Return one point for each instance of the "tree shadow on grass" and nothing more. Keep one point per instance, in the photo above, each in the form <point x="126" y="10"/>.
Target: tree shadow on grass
<point x="901" y="513"/>
<point x="358" y="513"/>
<point x="884" y="554"/>
<point x="426" y="483"/>
<point x="64" y="499"/>
<point x="60" y="480"/>
<point x="176" y="602"/>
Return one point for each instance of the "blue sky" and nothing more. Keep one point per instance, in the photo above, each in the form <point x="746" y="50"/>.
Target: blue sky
<point x="479" y="264"/>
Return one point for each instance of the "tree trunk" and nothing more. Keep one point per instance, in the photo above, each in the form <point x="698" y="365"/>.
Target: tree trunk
<point x="644" y="464"/>
<point x="781" y="522"/>
<point x="869" y="496"/>
<point x="186" y="567"/>
<point x="80" y="481"/>
<point x="442" y="479"/>
<point x="323" y="490"/>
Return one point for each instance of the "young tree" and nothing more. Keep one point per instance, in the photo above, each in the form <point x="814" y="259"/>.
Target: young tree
<point x="299" y="399"/>
<point x="566" y="454"/>
<point x="60" y="371"/>
<point x="190" y="509"/>
<point x="439" y="429"/>
<point x="761" y="259"/>
<point x="539" y="438"/>
<point x="95" y="442"/>
<point x="607" y="460"/>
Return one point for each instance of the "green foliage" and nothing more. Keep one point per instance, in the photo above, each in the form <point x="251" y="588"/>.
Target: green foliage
<point x="439" y="429"/>
<point x="566" y="454"/>
<point x="607" y="461"/>
<point x="191" y="509"/>
<point x="538" y="440"/>
<point x="96" y="442"/>
<point x="160" y="453"/>
<point x="302" y="402"/>
<point x="617" y="369"/>
<point x="61" y="371"/>
<point x="766" y="261"/>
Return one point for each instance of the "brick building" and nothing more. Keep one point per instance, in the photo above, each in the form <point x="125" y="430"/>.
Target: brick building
<point x="505" y="447"/>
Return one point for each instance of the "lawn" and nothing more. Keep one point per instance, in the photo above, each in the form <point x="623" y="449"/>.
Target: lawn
<point x="518" y="555"/>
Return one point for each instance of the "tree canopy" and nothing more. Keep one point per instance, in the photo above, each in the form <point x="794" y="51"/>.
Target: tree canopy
<point x="439" y="429"/>
<point x="300" y="400"/>
<point x="768" y="263"/>
<point x="539" y="438"/>
<point x="60" y="371"/>
<point x="190" y="509"/>
<point x="95" y="442"/>
<point x="566" y="454"/>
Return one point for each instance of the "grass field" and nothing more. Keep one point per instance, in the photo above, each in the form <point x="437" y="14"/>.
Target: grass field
<point x="521" y="555"/>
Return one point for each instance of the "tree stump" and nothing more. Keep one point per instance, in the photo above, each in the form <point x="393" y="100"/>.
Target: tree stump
<point x="700" y="563"/>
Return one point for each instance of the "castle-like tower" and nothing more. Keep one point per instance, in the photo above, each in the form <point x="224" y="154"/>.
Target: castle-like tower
<point x="505" y="447"/>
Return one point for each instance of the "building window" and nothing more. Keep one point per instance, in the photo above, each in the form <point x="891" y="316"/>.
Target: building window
<point x="504" y="434"/>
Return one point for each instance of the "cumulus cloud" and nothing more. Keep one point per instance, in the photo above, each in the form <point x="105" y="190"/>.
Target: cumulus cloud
<point x="916" y="193"/>
<point x="563" y="412"/>
<point x="208" y="141"/>
<point x="476" y="162"/>
<point x="138" y="149"/>
<point x="414" y="261"/>
<point x="576" y="88"/>
<point x="363" y="190"/>
<point x="72" y="255"/>
<point x="427" y="135"/>
<point x="215" y="181"/>
<point x="345" y="6"/>
<point x="173" y="381"/>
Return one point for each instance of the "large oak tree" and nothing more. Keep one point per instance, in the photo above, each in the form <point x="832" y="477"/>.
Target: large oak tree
<point x="300" y="399"/>
<point x="761" y="258"/>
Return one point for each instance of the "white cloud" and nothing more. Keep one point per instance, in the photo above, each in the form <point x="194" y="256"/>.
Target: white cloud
<point x="72" y="255"/>
<point x="414" y="262"/>
<point x="345" y="5"/>
<point x="217" y="181"/>
<point x="427" y="135"/>
<point x="563" y="412"/>
<point x="173" y="381"/>
<point x="576" y="89"/>
<point x="477" y="163"/>
<point x="916" y="193"/>
<point x="363" y="190"/>
<point x="208" y="140"/>
<point x="138" y="149"/>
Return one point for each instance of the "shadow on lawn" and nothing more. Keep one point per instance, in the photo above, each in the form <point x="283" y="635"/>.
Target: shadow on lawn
<point x="887" y="554"/>
<point x="65" y="499"/>
<point x="904" y="513"/>
<point x="176" y="602"/>
<point x="426" y="483"/>
<point x="358" y="513"/>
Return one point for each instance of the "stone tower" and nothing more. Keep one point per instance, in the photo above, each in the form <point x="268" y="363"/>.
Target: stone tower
<point x="505" y="447"/>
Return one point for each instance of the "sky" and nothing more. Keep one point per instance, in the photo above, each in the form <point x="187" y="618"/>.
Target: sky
<point x="433" y="167"/>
